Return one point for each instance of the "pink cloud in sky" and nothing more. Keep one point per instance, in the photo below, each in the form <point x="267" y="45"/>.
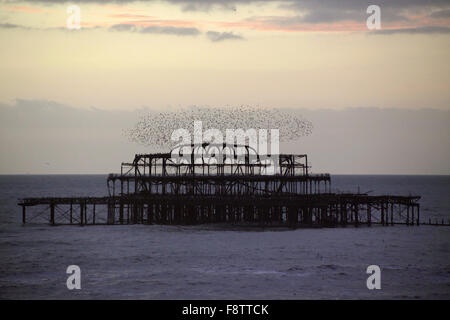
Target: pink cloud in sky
<point x="29" y="9"/>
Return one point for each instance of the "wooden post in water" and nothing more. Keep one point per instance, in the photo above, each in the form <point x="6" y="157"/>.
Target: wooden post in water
<point x="121" y="212"/>
<point x="81" y="213"/>
<point x="369" y="215"/>
<point x="111" y="212"/>
<point x="392" y="214"/>
<point x="344" y="214"/>
<point x="93" y="214"/>
<point x="23" y="214"/>
<point x="418" y="214"/>
<point x="70" y="213"/>
<point x="382" y="213"/>
<point x="135" y="213"/>
<point x="412" y="215"/>
<point x="52" y="214"/>
<point x="407" y="214"/>
<point x="150" y="213"/>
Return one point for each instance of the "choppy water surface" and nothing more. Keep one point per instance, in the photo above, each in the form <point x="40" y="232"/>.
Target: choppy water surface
<point x="205" y="262"/>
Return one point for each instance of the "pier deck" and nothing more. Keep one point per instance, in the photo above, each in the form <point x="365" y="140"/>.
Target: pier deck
<point x="327" y="209"/>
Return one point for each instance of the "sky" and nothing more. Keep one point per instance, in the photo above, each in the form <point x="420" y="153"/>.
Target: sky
<point x="318" y="58"/>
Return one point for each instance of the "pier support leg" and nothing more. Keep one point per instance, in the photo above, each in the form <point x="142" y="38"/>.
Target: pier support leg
<point x="292" y="216"/>
<point x="85" y="213"/>
<point x="150" y="213"/>
<point x="81" y="214"/>
<point x="344" y="217"/>
<point x="392" y="214"/>
<point x="369" y="216"/>
<point x="135" y="213"/>
<point x="52" y="214"/>
<point x="121" y="213"/>
<point x="24" y="214"/>
<point x="111" y="213"/>
<point x="407" y="215"/>
<point x="418" y="215"/>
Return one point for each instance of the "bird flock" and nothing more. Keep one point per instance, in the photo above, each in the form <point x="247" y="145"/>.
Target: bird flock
<point x="155" y="128"/>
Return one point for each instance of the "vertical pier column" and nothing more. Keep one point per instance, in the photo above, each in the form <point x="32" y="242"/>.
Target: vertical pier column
<point x="70" y="213"/>
<point x="52" y="214"/>
<point x="382" y="213"/>
<point x="23" y="214"/>
<point x="150" y="213"/>
<point x="111" y="209"/>
<point x="121" y="212"/>
<point x="418" y="214"/>
<point x="392" y="214"/>
<point x="412" y="215"/>
<point x="369" y="216"/>
<point x="292" y="216"/>
<point x="93" y="214"/>
<point x="81" y="213"/>
<point x="310" y="215"/>
<point x="344" y="214"/>
<point x="407" y="215"/>
<point x="135" y="212"/>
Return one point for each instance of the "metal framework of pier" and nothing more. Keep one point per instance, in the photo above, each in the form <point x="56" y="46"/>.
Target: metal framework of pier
<point x="156" y="189"/>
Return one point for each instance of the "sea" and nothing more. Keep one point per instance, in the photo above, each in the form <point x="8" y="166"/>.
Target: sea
<point x="210" y="262"/>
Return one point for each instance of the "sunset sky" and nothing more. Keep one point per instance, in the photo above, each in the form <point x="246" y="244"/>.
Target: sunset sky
<point x="286" y="53"/>
<point x="162" y="54"/>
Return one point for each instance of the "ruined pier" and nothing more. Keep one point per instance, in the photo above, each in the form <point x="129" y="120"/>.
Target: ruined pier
<point x="156" y="189"/>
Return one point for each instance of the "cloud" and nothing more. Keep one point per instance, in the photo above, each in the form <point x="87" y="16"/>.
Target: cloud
<point x="89" y="140"/>
<point x="85" y="27"/>
<point x="123" y="27"/>
<point x="26" y="113"/>
<point x="169" y="30"/>
<point x="343" y="15"/>
<point x="441" y="14"/>
<point x="418" y="30"/>
<point x="303" y="15"/>
<point x="310" y="5"/>
<point x="215" y="36"/>
<point x="73" y="140"/>
<point x="137" y="28"/>
<point x="178" y="31"/>
<point x="10" y="26"/>
<point x="130" y="16"/>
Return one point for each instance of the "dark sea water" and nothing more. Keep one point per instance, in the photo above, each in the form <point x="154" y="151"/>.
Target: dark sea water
<point x="201" y="262"/>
